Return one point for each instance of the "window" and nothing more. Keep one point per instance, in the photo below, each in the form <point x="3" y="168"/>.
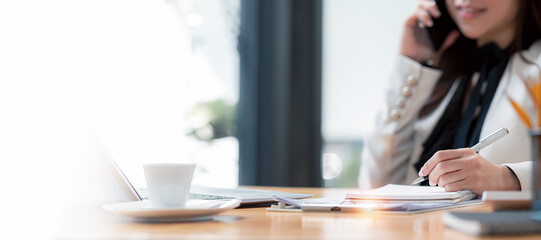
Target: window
<point x="360" y="40"/>
<point x="148" y="76"/>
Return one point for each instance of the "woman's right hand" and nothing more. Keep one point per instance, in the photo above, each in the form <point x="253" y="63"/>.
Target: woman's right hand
<point x="415" y="41"/>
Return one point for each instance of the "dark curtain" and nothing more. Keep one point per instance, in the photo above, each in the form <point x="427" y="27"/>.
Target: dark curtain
<point x="279" y="111"/>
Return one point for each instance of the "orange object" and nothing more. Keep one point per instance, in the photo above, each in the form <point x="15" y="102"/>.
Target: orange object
<point x="536" y="92"/>
<point x="521" y="113"/>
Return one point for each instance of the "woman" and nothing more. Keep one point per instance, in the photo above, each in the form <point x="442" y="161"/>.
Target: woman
<point x="439" y="103"/>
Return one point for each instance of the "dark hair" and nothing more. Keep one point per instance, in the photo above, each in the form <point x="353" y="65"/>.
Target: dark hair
<point x="528" y="30"/>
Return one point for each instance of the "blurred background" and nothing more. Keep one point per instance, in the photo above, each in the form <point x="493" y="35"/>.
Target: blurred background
<point x="255" y="92"/>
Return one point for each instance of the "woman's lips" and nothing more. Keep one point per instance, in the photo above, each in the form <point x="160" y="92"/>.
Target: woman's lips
<point x="470" y="13"/>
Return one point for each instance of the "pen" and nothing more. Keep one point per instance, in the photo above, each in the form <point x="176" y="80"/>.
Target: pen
<point x="477" y="147"/>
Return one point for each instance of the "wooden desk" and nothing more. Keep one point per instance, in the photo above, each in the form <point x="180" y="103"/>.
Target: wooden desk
<point x="257" y="223"/>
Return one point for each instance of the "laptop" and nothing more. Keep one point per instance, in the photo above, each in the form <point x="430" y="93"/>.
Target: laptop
<point x="247" y="196"/>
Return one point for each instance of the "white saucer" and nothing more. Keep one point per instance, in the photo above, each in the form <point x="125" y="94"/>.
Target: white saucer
<point x="195" y="210"/>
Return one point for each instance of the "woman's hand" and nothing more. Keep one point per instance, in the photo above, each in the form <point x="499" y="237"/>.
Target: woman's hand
<point x="464" y="169"/>
<point x="415" y="41"/>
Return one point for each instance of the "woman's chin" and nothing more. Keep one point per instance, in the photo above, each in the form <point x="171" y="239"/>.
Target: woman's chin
<point x="471" y="33"/>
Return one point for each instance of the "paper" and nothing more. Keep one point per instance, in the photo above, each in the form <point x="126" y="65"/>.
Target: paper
<point x="349" y="205"/>
<point x="406" y="192"/>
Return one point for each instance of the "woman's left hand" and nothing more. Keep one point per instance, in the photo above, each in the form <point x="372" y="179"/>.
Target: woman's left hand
<point x="463" y="168"/>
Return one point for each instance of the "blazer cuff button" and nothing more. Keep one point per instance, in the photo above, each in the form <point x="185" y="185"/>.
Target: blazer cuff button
<point x="411" y="80"/>
<point x="401" y="102"/>
<point x="394" y="114"/>
<point x="406" y="91"/>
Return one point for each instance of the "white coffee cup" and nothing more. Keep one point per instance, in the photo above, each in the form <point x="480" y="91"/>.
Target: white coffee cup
<point x="168" y="184"/>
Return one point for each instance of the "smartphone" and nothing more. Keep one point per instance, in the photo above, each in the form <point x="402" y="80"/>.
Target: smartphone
<point x="442" y="26"/>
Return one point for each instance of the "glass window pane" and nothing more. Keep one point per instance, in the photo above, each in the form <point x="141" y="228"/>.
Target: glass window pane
<point x="360" y="40"/>
<point x="143" y="74"/>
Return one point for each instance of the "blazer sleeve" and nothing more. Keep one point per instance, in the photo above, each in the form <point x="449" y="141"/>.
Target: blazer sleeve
<point x="388" y="145"/>
<point x="523" y="171"/>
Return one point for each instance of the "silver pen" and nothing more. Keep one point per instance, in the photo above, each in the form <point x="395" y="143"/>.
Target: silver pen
<point x="477" y="147"/>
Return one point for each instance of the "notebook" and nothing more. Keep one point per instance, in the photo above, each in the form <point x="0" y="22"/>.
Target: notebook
<point x="407" y="193"/>
<point x="493" y="223"/>
<point x="401" y="199"/>
<point x="351" y="205"/>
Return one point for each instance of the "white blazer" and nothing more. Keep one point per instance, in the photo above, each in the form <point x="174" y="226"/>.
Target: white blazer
<point x="394" y="144"/>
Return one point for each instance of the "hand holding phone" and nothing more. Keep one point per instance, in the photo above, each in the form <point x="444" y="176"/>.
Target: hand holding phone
<point x="442" y="26"/>
<point x="438" y="31"/>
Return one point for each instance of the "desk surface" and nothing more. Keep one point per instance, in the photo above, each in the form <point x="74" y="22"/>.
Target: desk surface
<point x="257" y="223"/>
